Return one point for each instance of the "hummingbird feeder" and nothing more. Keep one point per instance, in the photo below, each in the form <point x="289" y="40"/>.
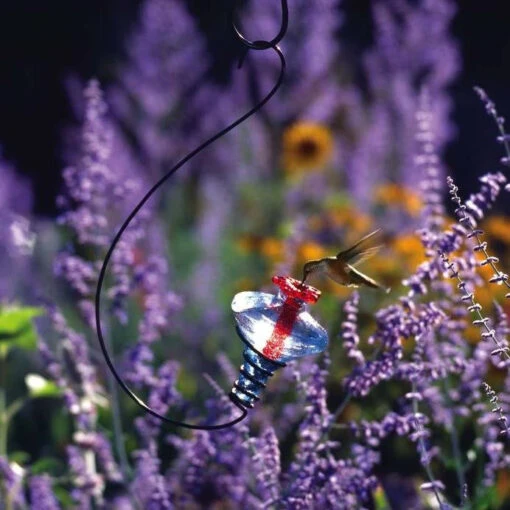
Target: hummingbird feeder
<point x="275" y="328"/>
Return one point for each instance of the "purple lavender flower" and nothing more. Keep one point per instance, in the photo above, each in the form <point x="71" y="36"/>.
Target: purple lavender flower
<point x="100" y="191"/>
<point x="393" y="323"/>
<point x="373" y="432"/>
<point x="477" y="205"/>
<point x="496" y="432"/>
<point x="311" y="470"/>
<point x="11" y="483"/>
<point x="18" y="241"/>
<point x="91" y="187"/>
<point x="157" y="80"/>
<point x="213" y="467"/>
<point x="427" y="163"/>
<point x="401" y="63"/>
<point x="503" y="137"/>
<point x="316" y="478"/>
<point x="74" y="372"/>
<point x="149" y="485"/>
<point x="103" y="451"/>
<point x="469" y="215"/>
<point x="41" y="493"/>
<point x="87" y="484"/>
<point x="310" y="91"/>
<point x="350" y="335"/>
<point x="162" y="396"/>
<point x="367" y="161"/>
<point x="267" y="464"/>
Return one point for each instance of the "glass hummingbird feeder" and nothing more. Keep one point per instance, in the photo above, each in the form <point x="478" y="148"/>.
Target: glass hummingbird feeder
<point x="275" y="328"/>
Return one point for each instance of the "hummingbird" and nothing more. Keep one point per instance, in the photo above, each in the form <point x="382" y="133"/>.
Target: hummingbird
<point x="342" y="268"/>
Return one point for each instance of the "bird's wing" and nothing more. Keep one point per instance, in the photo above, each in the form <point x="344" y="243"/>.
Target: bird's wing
<point x="364" y="255"/>
<point x="358" y="278"/>
<point x="356" y="250"/>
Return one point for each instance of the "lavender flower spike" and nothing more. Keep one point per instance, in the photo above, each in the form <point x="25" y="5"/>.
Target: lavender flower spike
<point x="158" y="76"/>
<point x="15" y="204"/>
<point x="41" y="493"/>
<point x="475" y="308"/>
<point x="493" y="183"/>
<point x="350" y="335"/>
<point x="496" y="408"/>
<point x="503" y="137"/>
<point x="310" y="92"/>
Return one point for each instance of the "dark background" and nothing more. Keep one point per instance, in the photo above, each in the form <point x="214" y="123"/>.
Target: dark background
<point x="43" y="42"/>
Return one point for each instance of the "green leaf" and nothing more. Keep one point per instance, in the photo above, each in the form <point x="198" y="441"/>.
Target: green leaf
<point x="46" y="465"/>
<point x="486" y="499"/>
<point x="19" y="457"/>
<point x="63" y="496"/>
<point x="40" y="387"/>
<point x="16" y="327"/>
<point x="381" y="503"/>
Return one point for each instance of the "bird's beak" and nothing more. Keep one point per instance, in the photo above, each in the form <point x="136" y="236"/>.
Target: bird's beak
<point x="305" y="275"/>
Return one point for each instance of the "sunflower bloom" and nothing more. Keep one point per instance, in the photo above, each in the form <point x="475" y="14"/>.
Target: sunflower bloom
<point x="306" y="146"/>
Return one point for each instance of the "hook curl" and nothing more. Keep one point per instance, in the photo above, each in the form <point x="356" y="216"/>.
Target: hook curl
<point x="258" y="45"/>
<point x="265" y="45"/>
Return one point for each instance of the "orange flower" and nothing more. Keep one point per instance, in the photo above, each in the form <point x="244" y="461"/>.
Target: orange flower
<point x="393" y="195"/>
<point x="306" y="146"/>
<point x="247" y="243"/>
<point x="499" y="228"/>
<point x="311" y="251"/>
<point x="271" y="248"/>
<point x="409" y="247"/>
<point x="503" y="484"/>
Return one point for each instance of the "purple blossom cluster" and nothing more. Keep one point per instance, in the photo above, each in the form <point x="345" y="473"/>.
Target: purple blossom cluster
<point x="402" y="64"/>
<point x="15" y="230"/>
<point x="311" y="91"/>
<point x="158" y="78"/>
<point x="98" y="192"/>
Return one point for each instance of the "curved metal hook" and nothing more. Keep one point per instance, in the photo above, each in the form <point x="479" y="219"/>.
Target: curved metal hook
<point x="265" y="45"/>
<point x="125" y="225"/>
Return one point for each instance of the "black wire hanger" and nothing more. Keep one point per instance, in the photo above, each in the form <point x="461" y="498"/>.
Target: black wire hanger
<point x="248" y="45"/>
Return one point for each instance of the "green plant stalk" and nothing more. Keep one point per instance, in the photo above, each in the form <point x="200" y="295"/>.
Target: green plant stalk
<point x="4" y="424"/>
<point x="118" y="431"/>
<point x="3" y="420"/>
<point x="459" y="467"/>
<point x="423" y="447"/>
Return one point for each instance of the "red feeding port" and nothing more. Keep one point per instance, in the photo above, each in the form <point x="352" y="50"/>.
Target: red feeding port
<point x="295" y="289"/>
<point x="295" y="293"/>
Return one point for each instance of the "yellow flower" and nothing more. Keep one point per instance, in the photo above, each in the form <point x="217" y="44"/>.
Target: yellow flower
<point x="393" y="195"/>
<point x="503" y="484"/>
<point x="243" y="284"/>
<point x="306" y="146"/>
<point x="310" y="251"/>
<point x="499" y="228"/>
<point x="247" y="243"/>
<point x="409" y="247"/>
<point x="271" y="248"/>
<point x="355" y="222"/>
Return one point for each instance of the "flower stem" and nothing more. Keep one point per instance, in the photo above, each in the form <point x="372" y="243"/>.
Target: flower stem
<point x="459" y="468"/>
<point x="324" y="435"/>
<point x="118" y="431"/>
<point x="423" y="452"/>
<point x="3" y="401"/>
